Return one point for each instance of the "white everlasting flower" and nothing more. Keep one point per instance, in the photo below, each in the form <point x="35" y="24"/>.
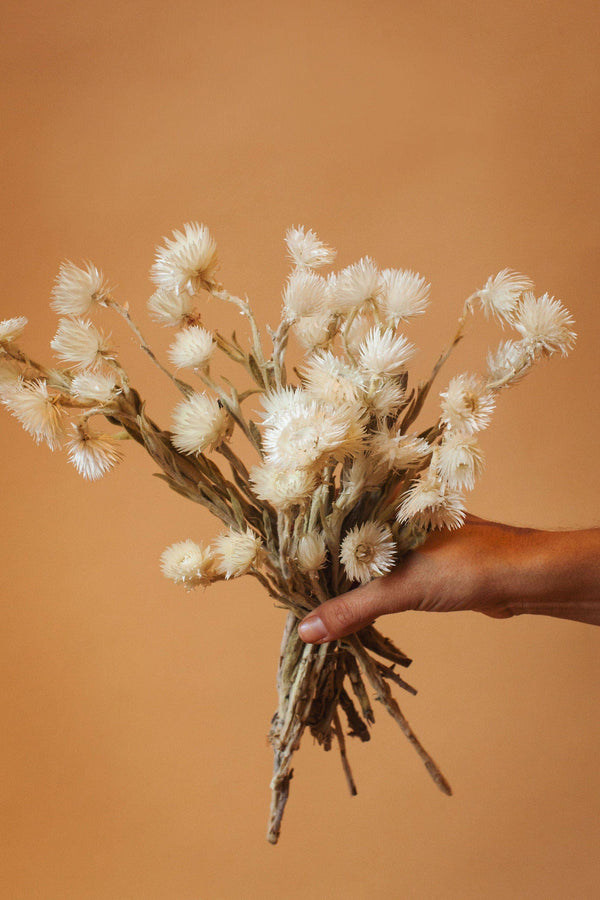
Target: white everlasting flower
<point x="237" y="552"/>
<point x="511" y="361"/>
<point x="187" y="262"/>
<point x="306" y="250"/>
<point x="459" y="460"/>
<point x="368" y="551"/>
<point x="200" y="423"/>
<point x="309" y="432"/>
<point x="382" y="396"/>
<point x="93" y="454"/>
<point x="327" y="377"/>
<point x="545" y="325"/>
<point x="312" y="552"/>
<point x="76" y="290"/>
<point x="94" y="387"/>
<point x="282" y="488"/>
<point x="501" y="294"/>
<point x="404" y="294"/>
<point x="11" y="329"/>
<point x="315" y="332"/>
<point x="467" y="404"/>
<point x="37" y="411"/>
<point x="192" y="348"/>
<point x="358" y="285"/>
<point x="432" y="503"/>
<point x="304" y="294"/>
<point x="170" y="308"/>
<point x="189" y="564"/>
<point x="79" y="342"/>
<point x="356" y="331"/>
<point x="385" y="353"/>
<point x="398" y="451"/>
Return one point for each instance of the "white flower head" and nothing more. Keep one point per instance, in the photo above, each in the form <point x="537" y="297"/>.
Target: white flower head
<point x="431" y="503"/>
<point x="501" y="294"/>
<point x="545" y="325"/>
<point x="192" y="348"/>
<point x="315" y="332"/>
<point x="398" y="451"/>
<point x="459" y="460"/>
<point x="358" y="285"/>
<point x="511" y="361"/>
<point x="189" y="564"/>
<point x="170" y="308"/>
<point x="384" y="353"/>
<point x="11" y="329"/>
<point x="79" y="342"/>
<point x="282" y="488"/>
<point x="237" y="552"/>
<point x="187" y="262"/>
<point x="306" y="250"/>
<point x="311" y="554"/>
<point x="76" y="290"/>
<point x="382" y="396"/>
<point x="404" y="294"/>
<point x="368" y="551"/>
<point x="37" y="411"/>
<point x="329" y="378"/>
<point x="93" y="454"/>
<point x="467" y="404"/>
<point x="304" y="294"/>
<point x="94" y="387"/>
<point x="200" y="423"/>
<point x="309" y="432"/>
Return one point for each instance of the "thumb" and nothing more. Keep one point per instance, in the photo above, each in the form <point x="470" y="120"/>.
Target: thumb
<point x="347" y="613"/>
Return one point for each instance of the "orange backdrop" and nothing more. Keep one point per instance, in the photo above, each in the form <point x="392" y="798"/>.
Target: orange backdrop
<point x="455" y="138"/>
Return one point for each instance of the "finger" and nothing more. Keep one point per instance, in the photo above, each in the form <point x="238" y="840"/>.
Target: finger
<point x="347" y="613"/>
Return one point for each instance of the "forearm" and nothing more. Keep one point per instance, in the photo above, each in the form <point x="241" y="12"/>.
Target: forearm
<point x="556" y="574"/>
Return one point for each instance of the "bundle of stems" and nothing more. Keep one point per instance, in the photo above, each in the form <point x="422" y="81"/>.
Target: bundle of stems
<point x="343" y="483"/>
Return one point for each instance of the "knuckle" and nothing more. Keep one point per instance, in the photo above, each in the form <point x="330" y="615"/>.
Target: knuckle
<point x="342" y="613"/>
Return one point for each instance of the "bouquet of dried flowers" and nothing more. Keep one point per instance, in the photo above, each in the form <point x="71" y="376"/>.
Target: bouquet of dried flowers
<point x="343" y="482"/>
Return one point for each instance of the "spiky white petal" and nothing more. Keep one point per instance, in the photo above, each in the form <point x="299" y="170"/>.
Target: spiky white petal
<point x="282" y="488"/>
<point x="306" y="250"/>
<point x="11" y="329"/>
<point x="94" y="387"/>
<point x="545" y="325"/>
<point x="304" y="294"/>
<point x="192" y="348"/>
<point x="404" y="294"/>
<point x="327" y="377"/>
<point x="467" y="404"/>
<point x="170" y="308"/>
<point x="79" y="342"/>
<point x="199" y="424"/>
<point x="76" y="290"/>
<point x="501" y="294"/>
<point x="237" y="552"/>
<point x="31" y="403"/>
<point x="93" y="454"/>
<point x="511" y="361"/>
<point x="189" y="564"/>
<point x="358" y="285"/>
<point x="187" y="262"/>
<point x="368" y="551"/>
<point x="312" y="552"/>
<point x="431" y="503"/>
<point x="314" y="332"/>
<point x="459" y="460"/>
<point x="398" y="451"/>
<point x="385" y="353"/>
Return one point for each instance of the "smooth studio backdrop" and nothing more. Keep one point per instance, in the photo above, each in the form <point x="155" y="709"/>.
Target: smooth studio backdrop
<point x="454" y="138"/>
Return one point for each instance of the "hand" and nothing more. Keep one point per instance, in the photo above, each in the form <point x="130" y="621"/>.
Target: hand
<point x="495" y="569"/>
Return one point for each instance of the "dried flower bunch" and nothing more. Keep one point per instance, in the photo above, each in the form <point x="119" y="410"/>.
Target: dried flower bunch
<point x="342" y="481"/>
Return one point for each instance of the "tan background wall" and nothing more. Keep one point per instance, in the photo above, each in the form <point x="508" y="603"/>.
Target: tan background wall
<point x="456" y="138"/>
